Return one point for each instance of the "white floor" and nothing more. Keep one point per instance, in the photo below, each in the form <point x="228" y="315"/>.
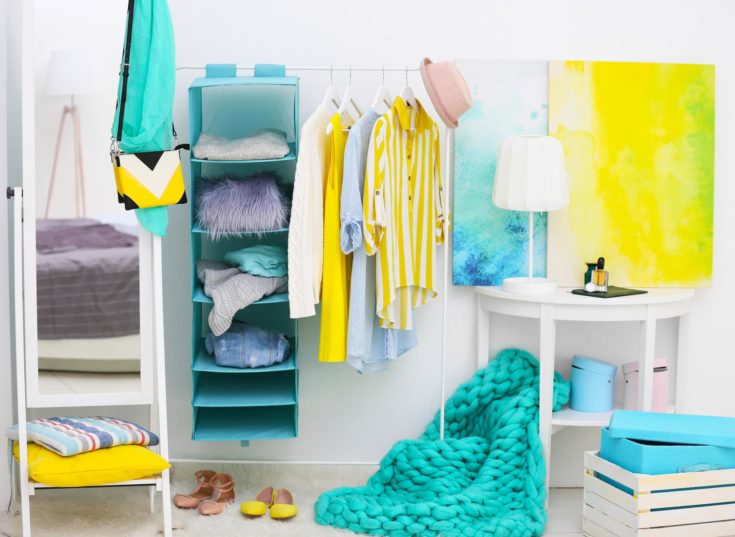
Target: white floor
<point x="123" y="512"/>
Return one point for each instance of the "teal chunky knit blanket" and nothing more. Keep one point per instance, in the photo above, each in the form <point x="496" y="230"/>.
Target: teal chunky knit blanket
<point x="485" y="479"/>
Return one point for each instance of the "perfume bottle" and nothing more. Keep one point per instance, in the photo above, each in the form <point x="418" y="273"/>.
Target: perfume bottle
<point x="600" y="276"/>
<point x="588" y="275"/>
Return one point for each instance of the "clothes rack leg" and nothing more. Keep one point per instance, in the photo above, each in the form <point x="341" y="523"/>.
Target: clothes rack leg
<point x="160" y="381"/>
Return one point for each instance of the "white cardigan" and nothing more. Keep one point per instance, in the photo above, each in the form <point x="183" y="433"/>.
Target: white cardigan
<point x="306" y="230"/>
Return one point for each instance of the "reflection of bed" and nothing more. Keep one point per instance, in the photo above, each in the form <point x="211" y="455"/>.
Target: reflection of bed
<point x="88" y="297"/>
<point x="103" y="355"/>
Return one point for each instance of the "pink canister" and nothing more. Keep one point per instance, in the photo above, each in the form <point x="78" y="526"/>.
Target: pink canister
<point x="660" y="399"/>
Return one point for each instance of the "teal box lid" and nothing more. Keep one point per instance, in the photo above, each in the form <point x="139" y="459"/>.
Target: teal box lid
<point x="673" y="428"/>
<point x="596" y="366"/>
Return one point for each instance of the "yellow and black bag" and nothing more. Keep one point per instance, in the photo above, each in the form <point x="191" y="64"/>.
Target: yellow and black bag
<point x="150" y="179"/>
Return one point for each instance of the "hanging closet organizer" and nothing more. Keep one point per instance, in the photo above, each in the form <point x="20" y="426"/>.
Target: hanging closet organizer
<point x="253" y="403"/>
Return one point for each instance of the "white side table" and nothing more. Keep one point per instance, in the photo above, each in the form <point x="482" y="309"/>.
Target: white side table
<point x="562" y="305"/>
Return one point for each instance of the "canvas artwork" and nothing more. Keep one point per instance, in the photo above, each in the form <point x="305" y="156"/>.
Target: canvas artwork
<point x="639" y="148"/>
<point x="490" y="244"/>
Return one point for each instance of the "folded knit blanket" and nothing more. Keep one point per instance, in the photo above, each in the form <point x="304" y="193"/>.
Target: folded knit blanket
<point x="485" y="479"/>
<point x="263" y="144"/>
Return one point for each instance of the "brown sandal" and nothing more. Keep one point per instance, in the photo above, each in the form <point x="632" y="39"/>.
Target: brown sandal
<point x="204" y="490"/>
<point x="224" y="494"/>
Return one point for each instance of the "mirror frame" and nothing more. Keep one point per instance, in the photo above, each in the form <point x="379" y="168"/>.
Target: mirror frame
<point x="34" y="398"/>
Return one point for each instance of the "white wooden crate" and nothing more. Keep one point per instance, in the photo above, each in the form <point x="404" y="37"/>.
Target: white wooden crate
<point x="700" y="512"/>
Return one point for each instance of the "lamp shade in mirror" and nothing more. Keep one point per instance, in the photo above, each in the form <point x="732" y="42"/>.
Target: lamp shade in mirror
<point x="71" y="72"/>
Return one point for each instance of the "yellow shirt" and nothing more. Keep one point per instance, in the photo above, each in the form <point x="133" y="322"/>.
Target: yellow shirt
<point x="403" y="210"/>
<point x="337" y="266"/>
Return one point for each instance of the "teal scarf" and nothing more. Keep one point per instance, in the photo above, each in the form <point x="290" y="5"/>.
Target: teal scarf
<point x="150" y="97"/>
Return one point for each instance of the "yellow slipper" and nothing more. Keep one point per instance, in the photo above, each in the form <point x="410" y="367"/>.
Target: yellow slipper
<point x="283" y="507"/>
<point x="260" y="505"/>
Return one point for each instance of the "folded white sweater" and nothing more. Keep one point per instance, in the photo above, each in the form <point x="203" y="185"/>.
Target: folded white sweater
<point x="263" y="144"/>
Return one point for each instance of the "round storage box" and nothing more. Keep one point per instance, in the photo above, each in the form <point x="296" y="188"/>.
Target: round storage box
<point x="593" y="385"/>
<point x="660" y="385"/>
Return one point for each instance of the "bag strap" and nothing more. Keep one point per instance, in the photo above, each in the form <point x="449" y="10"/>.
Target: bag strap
<point x="125" y="69"/>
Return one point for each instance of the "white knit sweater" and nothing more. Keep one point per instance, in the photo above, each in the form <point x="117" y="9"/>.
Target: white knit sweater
<point x="306" y="230"/>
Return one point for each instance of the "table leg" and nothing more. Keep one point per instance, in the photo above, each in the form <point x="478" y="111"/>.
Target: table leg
<point x="681" y="363"/>
<point x="483" y="335"/>
<point x="547" y="348"/>
<point x="646" y="360"/>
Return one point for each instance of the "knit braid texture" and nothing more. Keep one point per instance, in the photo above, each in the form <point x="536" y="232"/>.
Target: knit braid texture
<point x="485" y="479"/>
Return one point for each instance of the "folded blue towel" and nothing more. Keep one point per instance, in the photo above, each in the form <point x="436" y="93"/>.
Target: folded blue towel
<point x="245" y="345"/>
<point x="260" y="260"/>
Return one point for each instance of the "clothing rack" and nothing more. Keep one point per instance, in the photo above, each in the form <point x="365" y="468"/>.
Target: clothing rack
<point x="448" y="174"/>
<point x="346" y="68"/>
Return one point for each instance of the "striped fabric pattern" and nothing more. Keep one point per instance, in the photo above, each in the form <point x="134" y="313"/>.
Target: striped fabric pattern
<point x="71" y="436"/>
<point x="403" y="210"/>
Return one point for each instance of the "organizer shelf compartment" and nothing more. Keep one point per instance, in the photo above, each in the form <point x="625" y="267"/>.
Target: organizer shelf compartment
<point x="201" y="298"/>
<point x="218" y="390"/>
<point x="256" y="423"/>
<point x="196" y="228"/>
<point x="251" y="403"/>
<point x="204" y="363"/>
<point x="291" y="156"/>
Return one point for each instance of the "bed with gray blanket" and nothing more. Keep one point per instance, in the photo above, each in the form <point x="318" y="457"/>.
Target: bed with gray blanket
<point x="88" y="293"/>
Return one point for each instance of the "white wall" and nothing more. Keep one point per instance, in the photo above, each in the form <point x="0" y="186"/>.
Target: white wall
<point x="344" y="416"/>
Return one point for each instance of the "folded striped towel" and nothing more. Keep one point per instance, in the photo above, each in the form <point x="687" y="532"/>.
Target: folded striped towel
<point x="71" y="436"/>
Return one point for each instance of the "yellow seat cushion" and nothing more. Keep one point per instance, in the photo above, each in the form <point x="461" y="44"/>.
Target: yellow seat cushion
<point x="99" y="467"/>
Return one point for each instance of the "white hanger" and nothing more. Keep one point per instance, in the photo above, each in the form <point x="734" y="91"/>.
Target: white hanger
<point x="343" y="109"/>
<point x="382" y="97"/>
<point x="407" y="93"/>
<point x="331" y="97"/>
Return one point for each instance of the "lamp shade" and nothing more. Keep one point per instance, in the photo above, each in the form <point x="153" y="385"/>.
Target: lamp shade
<point x="530" y="175"/>
<point x="71" y="72"/>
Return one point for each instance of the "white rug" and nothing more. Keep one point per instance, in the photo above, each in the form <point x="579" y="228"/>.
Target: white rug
<point x="123" y="511"/>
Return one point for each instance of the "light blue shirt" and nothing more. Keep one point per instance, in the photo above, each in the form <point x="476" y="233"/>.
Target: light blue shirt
<point x="369" y="347"/>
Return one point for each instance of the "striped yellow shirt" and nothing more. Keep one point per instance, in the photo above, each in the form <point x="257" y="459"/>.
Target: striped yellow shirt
<point x="403" y="210"/>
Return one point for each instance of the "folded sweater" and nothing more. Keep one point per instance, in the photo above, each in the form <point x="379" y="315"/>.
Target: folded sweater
<point x="263" y="144"/>
<point x="232" y="290"/>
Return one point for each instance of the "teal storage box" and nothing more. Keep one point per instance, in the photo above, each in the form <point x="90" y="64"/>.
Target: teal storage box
<point x="592" y="386"/>
<point x="654" y="443"/>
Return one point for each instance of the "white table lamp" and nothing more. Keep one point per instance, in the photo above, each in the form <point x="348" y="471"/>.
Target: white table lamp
<point x="530" y="176"/>
<point x="70" y="73"/>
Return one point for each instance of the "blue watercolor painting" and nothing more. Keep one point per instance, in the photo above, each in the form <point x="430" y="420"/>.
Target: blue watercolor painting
<point x="490" y="244"/>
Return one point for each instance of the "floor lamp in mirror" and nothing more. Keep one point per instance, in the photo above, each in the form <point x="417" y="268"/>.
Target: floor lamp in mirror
<point x="70" y="73"/>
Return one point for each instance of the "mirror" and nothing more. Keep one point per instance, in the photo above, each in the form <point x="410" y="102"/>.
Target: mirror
<point x="89" y="251"/>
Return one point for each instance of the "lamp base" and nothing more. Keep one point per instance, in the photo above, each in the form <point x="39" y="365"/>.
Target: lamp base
<point x="529" y="286"/>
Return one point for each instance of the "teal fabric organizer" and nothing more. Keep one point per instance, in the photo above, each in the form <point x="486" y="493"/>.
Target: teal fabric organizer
<point x="228" y="403"/>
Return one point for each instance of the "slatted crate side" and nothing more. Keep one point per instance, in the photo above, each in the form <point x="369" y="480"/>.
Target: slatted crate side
<point x="611" y="511"/>
<point x="659" y="500"/>
<point x="593" y="463"/>
<point x="597" y="524"/>
<point x="686" y="498"/>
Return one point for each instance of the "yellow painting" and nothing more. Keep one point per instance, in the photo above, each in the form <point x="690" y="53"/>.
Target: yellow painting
<point x="639" y="147"/>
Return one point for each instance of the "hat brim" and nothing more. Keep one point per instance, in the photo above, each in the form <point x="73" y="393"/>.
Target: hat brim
<point x="434" y="96"/>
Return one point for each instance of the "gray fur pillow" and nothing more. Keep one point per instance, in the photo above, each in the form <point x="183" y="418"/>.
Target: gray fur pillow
<point x="228" y="206"/>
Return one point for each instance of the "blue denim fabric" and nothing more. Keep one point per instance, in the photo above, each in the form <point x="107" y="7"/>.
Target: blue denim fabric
<point x="245" y="345"/>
